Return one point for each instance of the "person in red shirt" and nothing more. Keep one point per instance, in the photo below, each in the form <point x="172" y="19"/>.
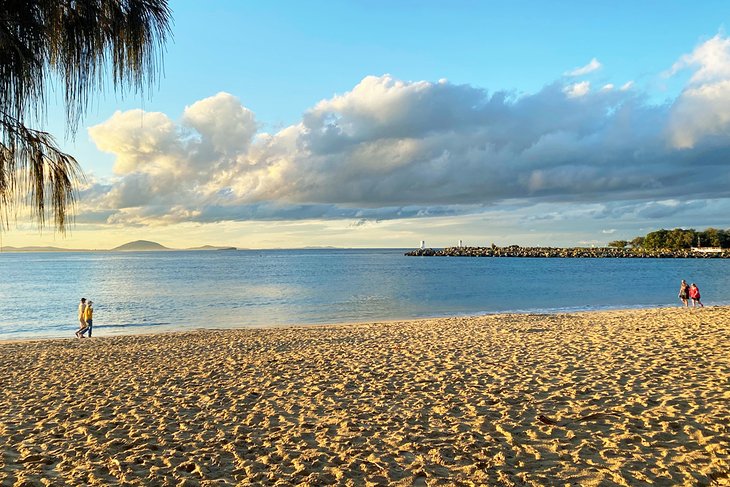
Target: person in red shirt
<point x="694" y="293"/>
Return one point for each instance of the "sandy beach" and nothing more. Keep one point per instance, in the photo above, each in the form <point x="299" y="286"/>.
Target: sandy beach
<point x="634" y="397"/>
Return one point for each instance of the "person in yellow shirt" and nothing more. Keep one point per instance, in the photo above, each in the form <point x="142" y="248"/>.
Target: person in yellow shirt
<point x="89" y="316"/>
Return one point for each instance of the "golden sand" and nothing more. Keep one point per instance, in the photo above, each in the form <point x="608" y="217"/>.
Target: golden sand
<point x="606" y="398"/>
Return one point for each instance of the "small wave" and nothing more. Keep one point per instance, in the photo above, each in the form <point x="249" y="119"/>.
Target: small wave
<point x="129" y="325"/>
<point x="553" y="310"/>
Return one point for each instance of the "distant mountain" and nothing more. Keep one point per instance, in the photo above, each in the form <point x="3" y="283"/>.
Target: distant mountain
<point x="211" y="247"/>
<point x="140" y="245"/>
<point x="136" y="246"/>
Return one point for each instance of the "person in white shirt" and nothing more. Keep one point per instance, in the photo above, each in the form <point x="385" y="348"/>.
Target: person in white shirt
<point x="82" y="318"/>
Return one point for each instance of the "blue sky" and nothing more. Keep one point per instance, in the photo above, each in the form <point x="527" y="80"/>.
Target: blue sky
<point x="339" y="126"/>
<point x="281" y="58"/>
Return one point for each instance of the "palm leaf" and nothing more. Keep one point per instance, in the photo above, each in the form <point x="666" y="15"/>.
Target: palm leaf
<point x="75" y="43"/>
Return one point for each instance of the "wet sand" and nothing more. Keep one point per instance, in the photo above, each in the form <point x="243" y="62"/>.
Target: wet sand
<point x="632" y="397"/>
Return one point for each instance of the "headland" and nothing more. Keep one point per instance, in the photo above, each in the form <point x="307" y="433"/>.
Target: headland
<point x="568" y="252"/>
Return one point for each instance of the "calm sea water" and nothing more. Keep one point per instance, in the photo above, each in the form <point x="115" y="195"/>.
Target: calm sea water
<point x="140" y="292"/>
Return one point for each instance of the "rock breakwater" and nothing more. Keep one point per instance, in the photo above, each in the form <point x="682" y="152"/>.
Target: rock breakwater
<point x="573" y="252"/>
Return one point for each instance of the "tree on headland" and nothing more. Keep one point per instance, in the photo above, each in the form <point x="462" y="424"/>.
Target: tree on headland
<point x="637" y="242"/>
<point x="713" y="237"/>
<point x="619" y="244"/>
<point x="74" y="43"/>
<point x="669" y="239"/>
<point x="681" y="239"/>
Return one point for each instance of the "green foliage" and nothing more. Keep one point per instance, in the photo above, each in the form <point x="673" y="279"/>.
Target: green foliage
<point x="679" y="239"/>
<point x="637" y="242"/>
<point x="619" y="244"/>
<point x="656" y="240"/>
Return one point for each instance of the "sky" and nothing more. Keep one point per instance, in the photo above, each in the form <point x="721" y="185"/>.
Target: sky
<point x="380" y="124"/>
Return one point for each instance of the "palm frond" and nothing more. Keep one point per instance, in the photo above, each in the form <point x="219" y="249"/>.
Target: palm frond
<point x="35" y="173"/>
<point x="76" y="42"/>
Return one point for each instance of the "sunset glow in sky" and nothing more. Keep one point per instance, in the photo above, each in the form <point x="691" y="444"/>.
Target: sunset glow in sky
<point x="380" y="124"/>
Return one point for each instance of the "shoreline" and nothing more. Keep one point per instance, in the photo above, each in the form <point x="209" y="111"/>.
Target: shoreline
<point x="518" y="312"/>
<point x="594" y="398"/>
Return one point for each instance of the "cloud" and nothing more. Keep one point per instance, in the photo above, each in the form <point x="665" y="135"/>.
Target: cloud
<point x="140" y="140"/>
<point x="664" y="209"/>
<point x="393" y="149"/>
<point x="710" y="60"/>
<point x="592" y="66"/>
<point x="223" y="124"/>
<point x="702" y="111"/>
<point x="577" y="89"/>
<point x="363" y="222"/>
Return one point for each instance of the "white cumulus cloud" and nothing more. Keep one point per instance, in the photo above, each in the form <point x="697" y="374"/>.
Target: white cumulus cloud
<point x="578" y="89"/>
<point x="593" y="65"/>
<point x="702" y="111"/>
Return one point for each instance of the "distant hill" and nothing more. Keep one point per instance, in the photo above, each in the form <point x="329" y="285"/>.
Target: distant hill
<point x="140" y="245"/>
<point x="212" y="247"/>
<point x="136" y="246"/>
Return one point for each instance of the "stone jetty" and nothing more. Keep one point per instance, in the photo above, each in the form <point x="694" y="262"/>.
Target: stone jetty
<point x="573" y="252"/>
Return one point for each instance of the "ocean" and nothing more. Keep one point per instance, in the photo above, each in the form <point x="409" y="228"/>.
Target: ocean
<point x="144" y="292"/>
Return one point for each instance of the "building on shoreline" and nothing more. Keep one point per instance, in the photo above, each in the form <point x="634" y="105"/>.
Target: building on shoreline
<point x="708" y="250"/>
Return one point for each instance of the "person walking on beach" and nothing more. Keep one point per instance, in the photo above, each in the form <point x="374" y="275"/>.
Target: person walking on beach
<point x="82" y="317"/>
<point x="694" y="293"/>
<point x="684" y="293"/>
<point x="89" y="318"/>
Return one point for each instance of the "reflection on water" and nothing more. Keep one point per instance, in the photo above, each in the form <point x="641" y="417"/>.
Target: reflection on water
<point x="162" y="291"/>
